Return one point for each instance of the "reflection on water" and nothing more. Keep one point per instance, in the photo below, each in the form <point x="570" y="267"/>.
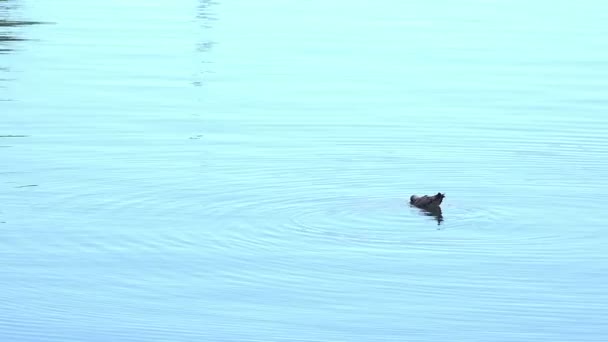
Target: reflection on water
<point x="434" y="212"/>
<point x="206" y="13"/>
<point x="205" y="16"/>
<point x="10" y="35"/>
<point x="8" y="27"/>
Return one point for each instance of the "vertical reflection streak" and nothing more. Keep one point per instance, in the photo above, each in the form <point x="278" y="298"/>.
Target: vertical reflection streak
<point x="205" y="17"/>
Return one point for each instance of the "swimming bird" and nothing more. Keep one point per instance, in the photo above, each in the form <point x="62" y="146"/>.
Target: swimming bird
<point x="427" y="202"/>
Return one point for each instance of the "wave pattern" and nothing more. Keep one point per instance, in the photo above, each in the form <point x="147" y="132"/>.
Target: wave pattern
<point x="223" y="171"/>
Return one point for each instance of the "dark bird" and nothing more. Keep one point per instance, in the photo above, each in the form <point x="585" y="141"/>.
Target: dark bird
<point x="429" y="205"/>
<point x="427" y="202"/>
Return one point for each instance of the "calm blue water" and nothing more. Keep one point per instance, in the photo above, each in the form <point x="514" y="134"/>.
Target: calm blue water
<point x="240" y="170"/>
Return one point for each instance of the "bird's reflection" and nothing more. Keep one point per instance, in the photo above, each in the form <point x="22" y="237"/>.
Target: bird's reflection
<point x="434" y="212"/>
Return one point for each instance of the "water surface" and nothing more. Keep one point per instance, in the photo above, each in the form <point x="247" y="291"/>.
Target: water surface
<point x="240" y="171"/>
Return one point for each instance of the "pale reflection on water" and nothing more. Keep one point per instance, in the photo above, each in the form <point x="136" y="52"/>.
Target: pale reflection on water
<point x="10" y="37"/>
